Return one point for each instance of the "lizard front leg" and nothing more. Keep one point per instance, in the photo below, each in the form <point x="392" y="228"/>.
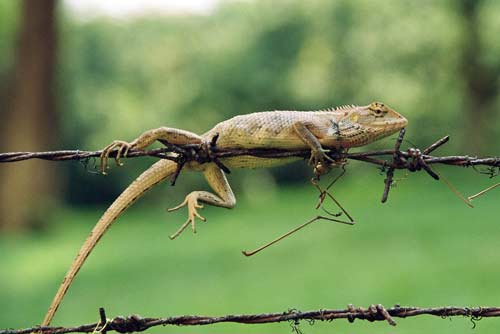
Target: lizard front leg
<point x="164" y="135"/>
<point x="318" y="157"/>
<point x="224" y="198"/>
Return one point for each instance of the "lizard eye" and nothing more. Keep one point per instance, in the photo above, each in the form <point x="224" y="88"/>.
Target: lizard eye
<point x="378" y="108"/>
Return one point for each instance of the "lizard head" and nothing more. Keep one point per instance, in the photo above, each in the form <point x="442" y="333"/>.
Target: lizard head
<point x="376" y="120"/>
<point x="379" y="119"/>
<point x="379" y="116"/>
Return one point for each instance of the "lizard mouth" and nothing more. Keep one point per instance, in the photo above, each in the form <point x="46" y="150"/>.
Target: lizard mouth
<point x="399" y="122"/>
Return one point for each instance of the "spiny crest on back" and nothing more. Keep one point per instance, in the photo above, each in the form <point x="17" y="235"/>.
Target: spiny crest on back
<point x="345" y="107"/>
<point x="340" y="108"/>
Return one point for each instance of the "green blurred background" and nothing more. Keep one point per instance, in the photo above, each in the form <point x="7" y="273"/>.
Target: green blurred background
<point x="79" y="79"/>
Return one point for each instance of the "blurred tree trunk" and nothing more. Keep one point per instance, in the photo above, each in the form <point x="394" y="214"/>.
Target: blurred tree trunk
<point x="28" y="121"/>
<point x="481" y="81"/>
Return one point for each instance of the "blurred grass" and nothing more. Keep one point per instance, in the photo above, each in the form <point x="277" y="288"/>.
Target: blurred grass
<point x="423" y="248"/>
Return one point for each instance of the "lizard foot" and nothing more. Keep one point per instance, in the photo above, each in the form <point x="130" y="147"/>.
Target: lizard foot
<point x="320" y="161"/>
<point x="123" y="148"/>
<point x="191" y="201"/>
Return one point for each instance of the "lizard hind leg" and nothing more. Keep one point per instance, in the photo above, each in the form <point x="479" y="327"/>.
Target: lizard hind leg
<point x="224" y="198"/>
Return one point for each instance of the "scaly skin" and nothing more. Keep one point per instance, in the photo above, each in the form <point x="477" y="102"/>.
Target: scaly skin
<point x="343" y="127"/>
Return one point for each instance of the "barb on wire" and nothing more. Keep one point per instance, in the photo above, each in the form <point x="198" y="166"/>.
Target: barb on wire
<point x="135" y="323"/>
<point x="390" y="171"/>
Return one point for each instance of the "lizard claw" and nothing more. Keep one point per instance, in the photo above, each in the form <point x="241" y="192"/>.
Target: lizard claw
<point x="320" y="161"/>
<point x="191" y="201"/>
<point x="321" y="169"/>
<point x="123" y="148"/>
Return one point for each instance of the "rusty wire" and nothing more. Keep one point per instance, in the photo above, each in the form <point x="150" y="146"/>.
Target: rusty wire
<point x="389" y="160"/>
<point x="135" y="323"/>
<point x="191" y="152"/>
<point x="368" y="156"/>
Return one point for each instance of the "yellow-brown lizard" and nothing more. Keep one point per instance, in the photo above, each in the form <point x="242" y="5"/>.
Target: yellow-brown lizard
<point x="319" y="131"/>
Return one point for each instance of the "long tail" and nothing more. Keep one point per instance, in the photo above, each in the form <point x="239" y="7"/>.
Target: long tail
<point x="156" y="173"/>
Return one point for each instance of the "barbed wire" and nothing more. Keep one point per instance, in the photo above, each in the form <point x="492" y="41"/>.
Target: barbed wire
<point x="413" y="159"/>
<point x="191" y="152"/>
<point x="135" y="323"/>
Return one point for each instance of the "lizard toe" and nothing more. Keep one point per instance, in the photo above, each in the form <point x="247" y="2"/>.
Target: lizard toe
<point x="179" y="231"/>
<point x="175" y="208"/>
<point x="120" y="145"/>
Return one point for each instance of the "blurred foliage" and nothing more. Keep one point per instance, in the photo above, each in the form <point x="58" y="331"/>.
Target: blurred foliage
<point x="118" y="78"/>
<point x="121" y="77"/>
<point x="8" y="30"/>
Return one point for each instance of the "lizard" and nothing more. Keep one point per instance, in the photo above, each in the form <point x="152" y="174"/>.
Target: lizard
<point x="334" y="128"/>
